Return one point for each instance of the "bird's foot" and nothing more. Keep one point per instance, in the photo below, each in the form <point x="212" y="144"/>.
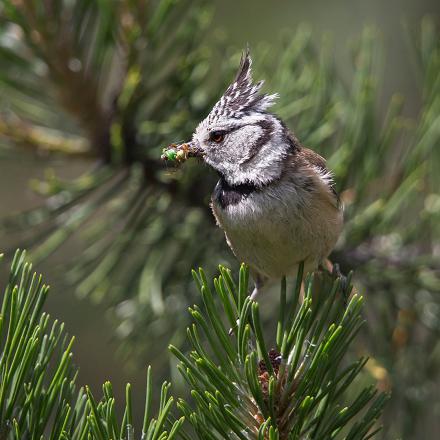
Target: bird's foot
<point x="253" y="297"/>
<point x="232" y="329"/>
<point x="344" y="283"/>
<point x="254" y="293"/>
<point x="335" y="273"/>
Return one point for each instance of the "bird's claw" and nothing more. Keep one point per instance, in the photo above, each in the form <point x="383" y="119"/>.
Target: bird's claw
<point x="345" y="286"/>
<point x="232" y="329"/>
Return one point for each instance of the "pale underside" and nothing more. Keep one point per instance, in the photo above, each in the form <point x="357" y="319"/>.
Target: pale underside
<point x="275" y="229"/>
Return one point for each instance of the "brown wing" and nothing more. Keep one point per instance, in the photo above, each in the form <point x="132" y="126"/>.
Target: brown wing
<point x="314" y="158"/>
<point x="300" y="153"/>
<point x="318" y="161"/>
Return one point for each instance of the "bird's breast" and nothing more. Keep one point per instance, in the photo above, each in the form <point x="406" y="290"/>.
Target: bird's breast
<point x="274" y="228"/>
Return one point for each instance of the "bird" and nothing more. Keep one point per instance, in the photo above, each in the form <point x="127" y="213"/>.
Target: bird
<point x="275" y="199"/>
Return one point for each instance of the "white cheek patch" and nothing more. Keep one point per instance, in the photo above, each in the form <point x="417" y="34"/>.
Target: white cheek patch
<point x="242" y="142"/>
<point x="252" y="152"/>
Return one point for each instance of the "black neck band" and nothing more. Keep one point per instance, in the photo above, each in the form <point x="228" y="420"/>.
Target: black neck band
<point x="226" y="194"/>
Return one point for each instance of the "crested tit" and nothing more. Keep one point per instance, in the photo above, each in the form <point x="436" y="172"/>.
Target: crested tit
<point x="275" y="199"/>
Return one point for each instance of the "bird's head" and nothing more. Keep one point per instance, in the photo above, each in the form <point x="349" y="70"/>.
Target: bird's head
<point x="239" y="138"/>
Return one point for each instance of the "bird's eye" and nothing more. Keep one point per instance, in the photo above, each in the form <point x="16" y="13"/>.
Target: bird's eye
<point x="216" y="136"/>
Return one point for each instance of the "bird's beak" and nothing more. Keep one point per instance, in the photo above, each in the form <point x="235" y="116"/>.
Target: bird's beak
<point x="181" y="152"/>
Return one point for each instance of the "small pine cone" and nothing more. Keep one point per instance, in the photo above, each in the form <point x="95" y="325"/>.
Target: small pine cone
<point x="275" y="360"/>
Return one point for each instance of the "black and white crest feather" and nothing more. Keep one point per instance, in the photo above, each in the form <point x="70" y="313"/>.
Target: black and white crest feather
<point x="242" y="96"/>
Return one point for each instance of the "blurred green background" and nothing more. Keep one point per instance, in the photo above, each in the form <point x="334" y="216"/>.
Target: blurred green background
<point x="392" y="237"/>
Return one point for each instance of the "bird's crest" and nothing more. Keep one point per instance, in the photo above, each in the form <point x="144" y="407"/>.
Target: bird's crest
<point x="242" y="96"/>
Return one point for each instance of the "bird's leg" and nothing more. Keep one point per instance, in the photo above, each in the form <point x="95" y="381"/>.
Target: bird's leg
<point x="259" y="281"/>
<point x="345" y="286"/>
<point x="335" y="272"/>
<point x="254" y="293"/>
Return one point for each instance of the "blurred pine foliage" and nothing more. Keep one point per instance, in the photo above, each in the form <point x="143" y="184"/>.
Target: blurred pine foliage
<point x="39" y="397"/>
<point x="241" y="390"/>
<point x="115" y="81"/>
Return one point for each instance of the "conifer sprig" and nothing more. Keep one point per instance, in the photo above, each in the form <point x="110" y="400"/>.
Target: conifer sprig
<point x="39" y="398"/>
<point x="243" y="389"/>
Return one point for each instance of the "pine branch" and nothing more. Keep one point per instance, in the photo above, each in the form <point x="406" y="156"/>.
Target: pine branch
<point x="295" y="390"/>
<point x="385" y="165"/>
<point x="42" y="139"/>
<point x="49" y="33"/>
<point x="38" y="392"/>
<point x="241" y="390"/>
<point x="31" y="392"/>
